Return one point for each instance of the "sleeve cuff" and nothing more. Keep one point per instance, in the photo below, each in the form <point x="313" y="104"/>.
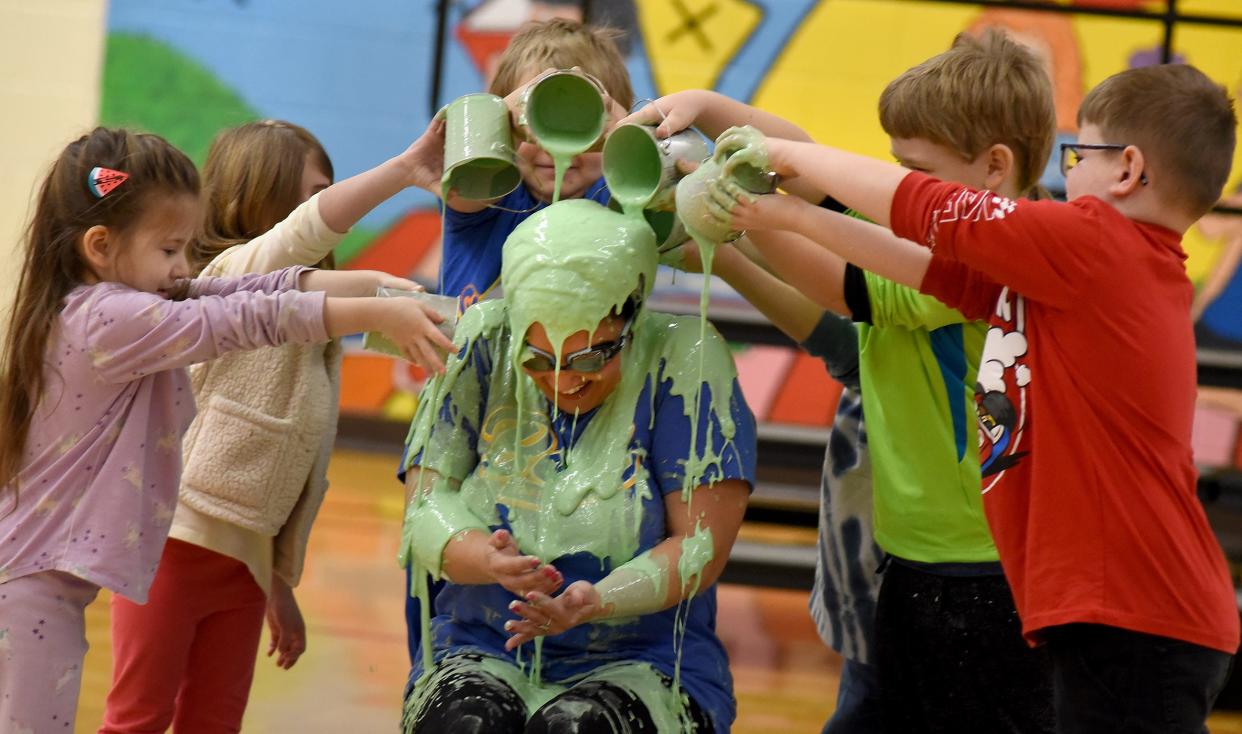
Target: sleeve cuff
<point x="904" y="215"/>
<point x="835" y="341"/>
<point x="320" y="231"/>
<point x="857" y="295"/>
<point x="833" y="205"/>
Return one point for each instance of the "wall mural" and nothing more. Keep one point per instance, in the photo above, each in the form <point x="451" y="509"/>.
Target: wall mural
<point x="361" y="80"/>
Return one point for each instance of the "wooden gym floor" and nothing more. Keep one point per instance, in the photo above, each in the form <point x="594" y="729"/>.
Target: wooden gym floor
<point x="351" y="677"/>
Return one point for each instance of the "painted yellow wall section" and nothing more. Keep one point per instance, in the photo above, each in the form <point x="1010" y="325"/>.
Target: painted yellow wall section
<point x="831" y="74"/>
<point x="678" y="60"/>
<point x="51" y="54"/>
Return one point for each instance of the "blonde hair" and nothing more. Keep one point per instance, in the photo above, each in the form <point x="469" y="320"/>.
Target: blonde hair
<point x="983" y="91"/>
<point x="561" y="44"/>
<point x="1182" y="121"/>
<point x="252" y="180"/>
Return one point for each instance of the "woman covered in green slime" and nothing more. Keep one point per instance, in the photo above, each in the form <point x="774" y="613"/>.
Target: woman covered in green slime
<point x="554" y="485"/>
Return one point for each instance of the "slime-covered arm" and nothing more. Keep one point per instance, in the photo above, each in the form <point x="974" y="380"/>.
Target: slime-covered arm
<point x="435" y="514"/>
<point x="691" y="558"/>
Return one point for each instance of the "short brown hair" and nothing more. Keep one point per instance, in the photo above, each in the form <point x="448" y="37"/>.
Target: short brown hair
<point x="984" y="90"/>
<point x="562" y="44"/>
<point x="252" y="180"/>
<point x="1182" y="121"/>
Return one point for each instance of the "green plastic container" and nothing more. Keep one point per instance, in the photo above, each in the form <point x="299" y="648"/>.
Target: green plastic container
<point x="479" y="160"/>
<point x="564" y="112"/>
<point x="641" y="170"/>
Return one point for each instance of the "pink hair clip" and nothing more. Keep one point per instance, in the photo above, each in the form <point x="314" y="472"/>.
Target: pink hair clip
<point x="101" y="181"/>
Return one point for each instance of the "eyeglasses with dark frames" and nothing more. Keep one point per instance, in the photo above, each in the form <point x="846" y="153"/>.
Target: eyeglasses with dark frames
<point x="1071" y="155"/>
<point x="592" y="359"/>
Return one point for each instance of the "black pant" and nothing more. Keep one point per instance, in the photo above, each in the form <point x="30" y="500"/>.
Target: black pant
<point x="472" y="701"/>
<point x="1108" y="679"/>
<point x="951" y="658"/>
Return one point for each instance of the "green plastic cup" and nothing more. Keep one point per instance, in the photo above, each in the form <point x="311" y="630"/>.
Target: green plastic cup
<point x="641" y="170"/>
<point x="479" y="161"/>
<point x="564" y="112"/>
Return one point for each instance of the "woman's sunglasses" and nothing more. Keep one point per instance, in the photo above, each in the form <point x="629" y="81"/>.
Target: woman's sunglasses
<point x="592" y="359"/>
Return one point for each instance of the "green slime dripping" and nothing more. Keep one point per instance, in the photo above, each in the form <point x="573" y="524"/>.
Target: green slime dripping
<point x="566" y="267"/>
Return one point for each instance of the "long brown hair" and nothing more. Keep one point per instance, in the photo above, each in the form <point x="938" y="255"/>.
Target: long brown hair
<point x="53" y="264"/>
<point x="252" y="180"/>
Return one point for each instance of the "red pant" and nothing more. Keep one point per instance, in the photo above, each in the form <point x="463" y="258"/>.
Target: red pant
<point x="186" y="658"/>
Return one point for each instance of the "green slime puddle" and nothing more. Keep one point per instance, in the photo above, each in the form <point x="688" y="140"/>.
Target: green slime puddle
<point x="568" y="267"/>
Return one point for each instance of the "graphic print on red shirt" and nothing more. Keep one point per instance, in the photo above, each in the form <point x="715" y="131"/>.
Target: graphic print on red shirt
<point x="1000" y="392"/>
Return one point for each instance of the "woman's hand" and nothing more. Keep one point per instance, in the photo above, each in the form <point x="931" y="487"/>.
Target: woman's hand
<point x="542" y="615"/>
<point x="521" y="575"/>
<point x="284" y="621"/>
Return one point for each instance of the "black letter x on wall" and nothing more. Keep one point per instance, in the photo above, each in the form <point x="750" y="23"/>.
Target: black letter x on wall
<point x="692" y="23"/>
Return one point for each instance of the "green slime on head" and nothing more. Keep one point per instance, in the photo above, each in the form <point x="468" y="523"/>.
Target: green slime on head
<point x="567" y="267"/>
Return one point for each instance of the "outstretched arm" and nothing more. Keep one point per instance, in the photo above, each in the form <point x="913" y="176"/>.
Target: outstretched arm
<point x="829" y="336"/>
<point x="805" y="265"/>
<point x="863" y="184"/>
<point x="869" y="246"/>
<point x="713" y="113"/>
<point x="342" y="204"/>
<point x="352" y="283"/>
<point x="785" y="306"/>
<point x="406" y="322"/>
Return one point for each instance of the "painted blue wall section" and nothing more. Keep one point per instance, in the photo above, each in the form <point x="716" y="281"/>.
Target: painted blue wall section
<point x="358" y="75"/>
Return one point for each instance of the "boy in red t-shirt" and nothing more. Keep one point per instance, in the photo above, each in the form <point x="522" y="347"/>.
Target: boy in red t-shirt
<point x="1087" y="384"/>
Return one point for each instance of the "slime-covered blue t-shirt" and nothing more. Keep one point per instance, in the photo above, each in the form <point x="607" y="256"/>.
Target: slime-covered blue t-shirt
<point x="470" y="265"/>
<point x="470" y="269"/>
<point x="471" y="618"/>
